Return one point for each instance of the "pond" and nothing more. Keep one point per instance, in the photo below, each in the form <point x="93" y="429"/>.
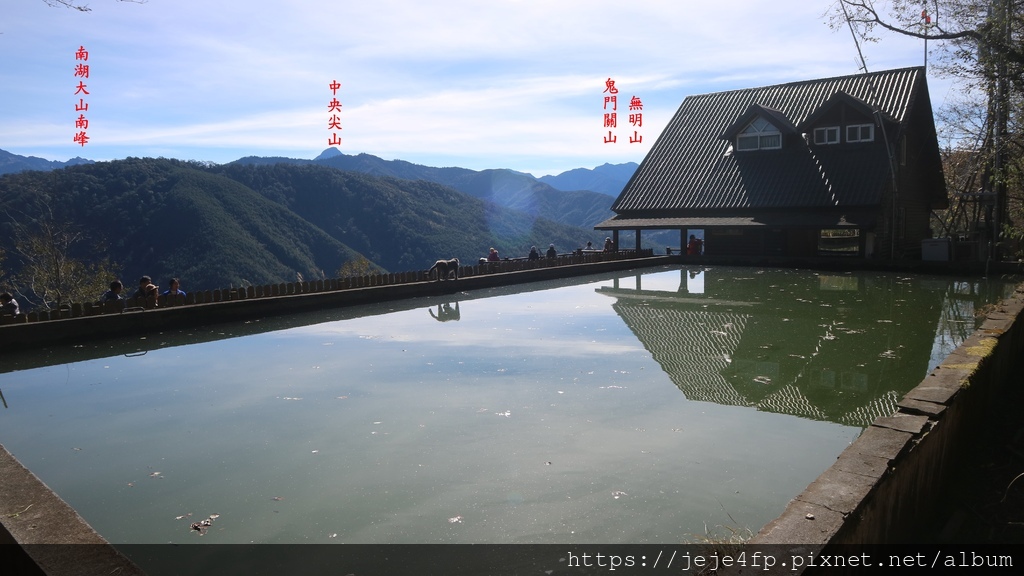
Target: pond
<point x="645" y="407"/>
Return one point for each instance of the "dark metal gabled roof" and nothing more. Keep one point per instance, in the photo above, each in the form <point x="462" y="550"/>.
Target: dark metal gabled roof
<point x="691" y="167"/>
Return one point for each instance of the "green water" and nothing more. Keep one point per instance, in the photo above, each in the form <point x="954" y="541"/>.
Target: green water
<point x="638" y="408"/>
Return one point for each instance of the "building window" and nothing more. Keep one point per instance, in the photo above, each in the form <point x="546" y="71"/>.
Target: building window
<point x="839" y="242"/>
<point x="759" y="135"/>
<point x="860" y="133"/>
<point x="827" y="135"/>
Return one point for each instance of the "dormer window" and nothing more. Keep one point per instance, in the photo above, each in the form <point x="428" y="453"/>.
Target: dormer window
<point x="826" y="135"/>
<point x="759" y="135"/>
<point x="860" y="133"/>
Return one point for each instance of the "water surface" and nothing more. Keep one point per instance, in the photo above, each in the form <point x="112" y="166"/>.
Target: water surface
<point x="638" y="408"/>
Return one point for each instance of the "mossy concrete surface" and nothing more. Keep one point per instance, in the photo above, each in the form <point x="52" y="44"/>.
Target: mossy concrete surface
<point x="40" y="533"/>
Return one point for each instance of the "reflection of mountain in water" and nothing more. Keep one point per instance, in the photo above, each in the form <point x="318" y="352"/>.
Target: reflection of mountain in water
<point x="841" y="348"/>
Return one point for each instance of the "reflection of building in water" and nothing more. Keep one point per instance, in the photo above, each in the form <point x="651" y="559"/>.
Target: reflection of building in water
<point x="840" y="348"/>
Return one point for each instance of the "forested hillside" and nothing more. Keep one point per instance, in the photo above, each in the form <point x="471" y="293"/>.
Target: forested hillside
<point x="216" y="226"/>
<point x="508" y="188"/>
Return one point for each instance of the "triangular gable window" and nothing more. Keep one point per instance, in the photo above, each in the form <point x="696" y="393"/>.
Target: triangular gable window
<point x="759" y="135"/>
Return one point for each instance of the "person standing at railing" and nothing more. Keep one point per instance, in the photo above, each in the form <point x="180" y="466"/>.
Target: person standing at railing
<point x="8" y="305"/>
<point x="492" y="256"/>
<point x="552" y="252"/>
<point x="174" y="288"/>
<point x="534" y="254"/>
<point x="147" y="292"/>
<point x="114" y="293"/>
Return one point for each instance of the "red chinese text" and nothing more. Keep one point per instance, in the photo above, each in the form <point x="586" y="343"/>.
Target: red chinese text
<point x="334" y="109"/>
<point x="81" y="71"/>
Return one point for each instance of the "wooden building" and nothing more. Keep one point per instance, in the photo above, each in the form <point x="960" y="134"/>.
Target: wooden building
<point x="845" y="166"/>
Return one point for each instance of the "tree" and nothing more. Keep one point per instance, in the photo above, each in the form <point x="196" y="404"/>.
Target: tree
<point x="356" y="267"/>
<point x="50" y="275"/>
<point x="76" y="5"/>
<point x="979" y="44"/>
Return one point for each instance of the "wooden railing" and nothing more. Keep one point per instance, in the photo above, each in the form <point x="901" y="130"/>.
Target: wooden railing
<point x="133" y="305"/>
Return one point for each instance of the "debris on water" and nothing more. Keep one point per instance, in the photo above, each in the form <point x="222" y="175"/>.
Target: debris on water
<point x="342" y="397"/>
<point x="763" y="380"/>
<point x="316" y="452"/>
<point x="156" y="475"/>
<point x="888" y="354"/>
<point x="277" y="498"/>
<point x="203" y="525"/>
<point x="455" y="520"/>
<point x="506" y="413"/>
<point x="334" y="535"/>
<point x="482" y="410"/>
<point x="77" y="449"/>
<point x="290" y="398"/>
<point x="618" y="494"/>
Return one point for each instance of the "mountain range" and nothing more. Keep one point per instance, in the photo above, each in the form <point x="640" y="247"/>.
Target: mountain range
<point x="265" y="220"/>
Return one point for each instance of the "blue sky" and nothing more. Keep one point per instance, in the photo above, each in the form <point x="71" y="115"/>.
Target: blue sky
<point x="499" y="84"/>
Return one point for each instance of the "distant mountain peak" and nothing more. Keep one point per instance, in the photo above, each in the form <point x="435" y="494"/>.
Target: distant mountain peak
<point x="607" y="178"/>
<point x="328" y="153"/>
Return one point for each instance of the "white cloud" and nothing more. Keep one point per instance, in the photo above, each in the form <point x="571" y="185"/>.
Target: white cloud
<point x="507" y="83"/>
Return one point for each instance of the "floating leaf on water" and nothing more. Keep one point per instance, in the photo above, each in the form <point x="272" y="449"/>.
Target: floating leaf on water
<point x="213" y="516"/>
